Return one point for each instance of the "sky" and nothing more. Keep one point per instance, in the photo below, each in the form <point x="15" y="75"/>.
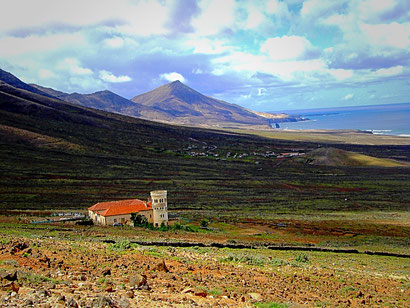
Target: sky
<point x="266" y="55"/>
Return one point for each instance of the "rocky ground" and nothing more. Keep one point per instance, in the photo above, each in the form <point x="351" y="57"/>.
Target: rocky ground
<point x="50" y="272"/>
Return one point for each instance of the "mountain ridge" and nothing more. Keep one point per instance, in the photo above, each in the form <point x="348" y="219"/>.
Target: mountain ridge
<point x="173" y="103"/>
<point x="12" y="80"/>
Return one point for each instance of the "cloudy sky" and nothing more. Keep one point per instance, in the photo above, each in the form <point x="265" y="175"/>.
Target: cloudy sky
<point x="266" y="55"/>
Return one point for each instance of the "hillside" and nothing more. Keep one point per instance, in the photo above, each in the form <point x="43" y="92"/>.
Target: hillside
<point x="12" y="80"/>
<point x="55" y="154"/>
<point x="187" y="106"/>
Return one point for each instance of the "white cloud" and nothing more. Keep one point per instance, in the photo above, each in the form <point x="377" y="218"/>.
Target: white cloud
<point x="216" y="16"/>
<point x="316" y="8"/>
<point x="341" y="74"/>
<point x="348" y="97"/>
<point x="73" y="66"/>
<point x="197" y="71"/>
<point x="114" y="42"/>
<point x="388" y="35"/>
<point x="206" y="46"/>
<point x="250" y="64"/>
<point x="15" y="46"/>
<point x="173" y="77"/>
<point x="278" y="8"/>
<point x="86" y="83"/>
<point x="46" y="74"/>
<point x="110" y="77"/>
<point x="392" y="71"/>
<point x="370" y="10"/>
<point x="272" y="7"/>
<point x="255" y="18"/>
<point x="286" y="47"/>
<point x="144" y="17"/>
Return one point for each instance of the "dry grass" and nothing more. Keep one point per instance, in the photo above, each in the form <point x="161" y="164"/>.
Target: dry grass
<point x="365" y="160"/>
<point x="337" y="157"/>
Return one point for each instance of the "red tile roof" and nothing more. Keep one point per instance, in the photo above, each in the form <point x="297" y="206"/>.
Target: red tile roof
<point x="122" y="207"/>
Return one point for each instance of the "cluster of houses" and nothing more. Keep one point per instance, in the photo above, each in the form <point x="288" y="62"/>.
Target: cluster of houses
<point x="266" y="154"/>
<point x="154" y="210"/>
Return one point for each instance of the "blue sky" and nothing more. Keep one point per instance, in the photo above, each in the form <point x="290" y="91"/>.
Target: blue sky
<point x="265" y="55"/>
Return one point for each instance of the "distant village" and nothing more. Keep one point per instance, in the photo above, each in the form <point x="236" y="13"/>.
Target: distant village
<point x="210" y="151"/>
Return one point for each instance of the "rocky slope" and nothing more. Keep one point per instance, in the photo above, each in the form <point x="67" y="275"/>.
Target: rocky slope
<point x="56" y="272"/>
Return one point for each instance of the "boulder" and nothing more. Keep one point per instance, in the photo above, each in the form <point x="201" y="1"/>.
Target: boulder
<point x="255" y="297"/>
<point x="18" y="246"/>
<point x="11" y="286"/>
<point x="102" y="301"/>
<point x="201" y="293"/>
<point x="139" y="281"/>
<point x="187" y="290"/>
<point x="161" y="267"/>
<point x="8" y="275"/>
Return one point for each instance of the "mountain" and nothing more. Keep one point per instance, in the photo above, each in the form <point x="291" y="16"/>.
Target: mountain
<point x="173" y="103"/>
<point x="17" y="83"/>
<point x="187" y="106"/>
<point x="107" y="101"/>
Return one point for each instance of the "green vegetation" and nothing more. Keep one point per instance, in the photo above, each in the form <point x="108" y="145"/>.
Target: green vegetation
<point x="88" y="156"/>
<point x="204" y="223"/>
<point x="302" y="258"/>
<point x="37" y="279"/>
<point x="122" y="246"/>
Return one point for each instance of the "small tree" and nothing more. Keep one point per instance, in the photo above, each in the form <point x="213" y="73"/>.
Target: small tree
<point x="204" y="223"/>
<point x="139" y="220"/>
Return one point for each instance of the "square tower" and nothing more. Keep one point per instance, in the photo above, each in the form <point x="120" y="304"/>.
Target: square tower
<point x="159" y="207"/>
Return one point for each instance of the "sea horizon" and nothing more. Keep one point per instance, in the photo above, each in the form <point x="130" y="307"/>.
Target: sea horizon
<point x="386" y="119"/>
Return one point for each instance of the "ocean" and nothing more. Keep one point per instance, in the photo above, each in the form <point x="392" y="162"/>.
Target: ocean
<point x="391" y="119"/>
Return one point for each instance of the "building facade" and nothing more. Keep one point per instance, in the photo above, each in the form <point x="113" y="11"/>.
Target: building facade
<point x="154" y="210"/>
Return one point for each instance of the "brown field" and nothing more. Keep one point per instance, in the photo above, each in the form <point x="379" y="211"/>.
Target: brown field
<point x="59" y="265"/>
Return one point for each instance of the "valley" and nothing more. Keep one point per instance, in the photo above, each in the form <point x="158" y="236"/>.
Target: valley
<point x="255" y="188"/>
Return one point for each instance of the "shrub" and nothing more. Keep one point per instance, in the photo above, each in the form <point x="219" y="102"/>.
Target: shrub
<point x="139" y="220"/>
<point x="122" y="245"/>
<point x="246" y="258"/>
<point x="204" y="223"/>
<point x="302" y="258"/>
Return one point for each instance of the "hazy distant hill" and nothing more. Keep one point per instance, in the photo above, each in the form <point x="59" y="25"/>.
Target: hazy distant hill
<point x="187" y="106"/>
<point x="103" y="100"/>
<point x="171" y="103"/>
